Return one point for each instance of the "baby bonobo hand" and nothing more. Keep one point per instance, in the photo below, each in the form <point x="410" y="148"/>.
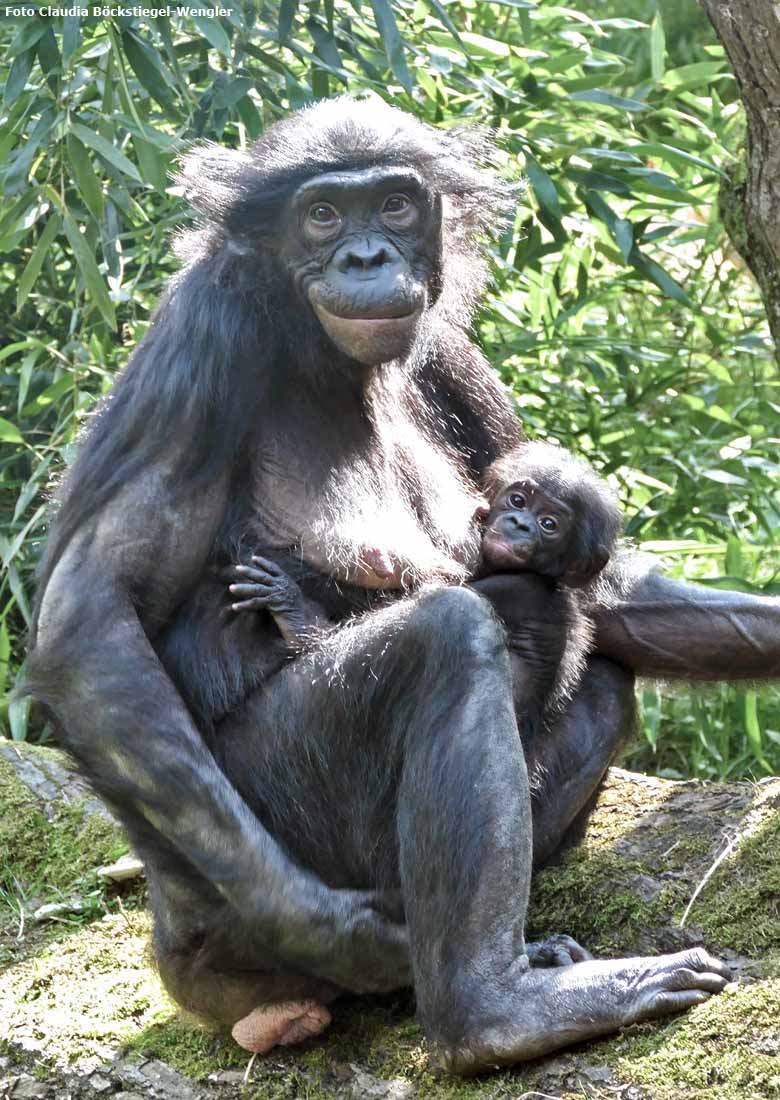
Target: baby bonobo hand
<point x="264" y="586"/>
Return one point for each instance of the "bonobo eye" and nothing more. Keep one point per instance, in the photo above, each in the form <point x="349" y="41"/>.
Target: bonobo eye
<point x="517" y="500"/>
<point x="323" y="216"/>
<point x="400" y="209"/>
<point x="548" y="524"/>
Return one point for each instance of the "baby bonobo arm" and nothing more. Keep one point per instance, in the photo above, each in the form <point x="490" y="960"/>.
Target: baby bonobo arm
<point x="264" y="585"/>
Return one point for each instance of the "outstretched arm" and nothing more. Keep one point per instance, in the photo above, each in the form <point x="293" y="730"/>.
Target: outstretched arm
<point x="94" y="666"/>
<point x="656" y="626"/>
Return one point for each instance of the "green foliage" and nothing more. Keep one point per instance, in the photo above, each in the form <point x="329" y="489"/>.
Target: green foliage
<point x="621" y="319"/>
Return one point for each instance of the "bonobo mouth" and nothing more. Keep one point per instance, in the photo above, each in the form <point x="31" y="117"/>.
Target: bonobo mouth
<point x="500" y="554"/>
<point x="375" y="335"/>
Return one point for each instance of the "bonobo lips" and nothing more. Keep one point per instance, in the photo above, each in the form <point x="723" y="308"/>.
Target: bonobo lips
<point x="500" y="554"/>
<point x="376" y="334"/>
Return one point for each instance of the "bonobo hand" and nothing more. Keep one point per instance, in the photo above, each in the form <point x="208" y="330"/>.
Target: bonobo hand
<point x="265" y="585"/>
<point x="349" y="937"/>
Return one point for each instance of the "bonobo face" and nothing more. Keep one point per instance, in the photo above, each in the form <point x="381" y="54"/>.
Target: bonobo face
<point x="527" y="528"/>
<point x="363" y="247"/>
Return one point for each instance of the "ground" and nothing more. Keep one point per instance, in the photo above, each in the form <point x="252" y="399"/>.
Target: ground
<point x="82" y="1012"/>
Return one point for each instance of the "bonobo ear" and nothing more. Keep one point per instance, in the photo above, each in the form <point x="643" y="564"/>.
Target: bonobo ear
<point x="583" y="570"/>
<point x="214" y="179"/>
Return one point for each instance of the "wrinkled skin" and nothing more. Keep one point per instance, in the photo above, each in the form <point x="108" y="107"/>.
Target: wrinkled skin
<point x="398" y="730"/>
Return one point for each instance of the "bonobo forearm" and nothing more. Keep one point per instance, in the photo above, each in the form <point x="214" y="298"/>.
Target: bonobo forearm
<point x="656" y="626"/>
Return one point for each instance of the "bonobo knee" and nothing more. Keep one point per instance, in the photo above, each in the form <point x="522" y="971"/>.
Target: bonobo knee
<point x="460" y="619"/>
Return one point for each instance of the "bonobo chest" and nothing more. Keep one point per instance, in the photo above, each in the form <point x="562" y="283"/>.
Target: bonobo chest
<point x="371" y="498"/>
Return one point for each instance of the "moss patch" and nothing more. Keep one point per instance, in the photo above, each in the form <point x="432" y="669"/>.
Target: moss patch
<point x="37" y="853"/>
<point x="740" y="905"/>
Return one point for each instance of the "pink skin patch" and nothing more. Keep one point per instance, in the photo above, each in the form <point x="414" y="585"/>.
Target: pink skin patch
<point x="280" y="1024"/>
<point x="379" y="561"/>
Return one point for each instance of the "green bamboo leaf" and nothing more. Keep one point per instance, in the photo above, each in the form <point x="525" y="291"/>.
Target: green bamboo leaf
<point x="392" y="42"/>
<point x="49" y="59"/>
<point x="9" y="433"/>
<point x="71" y="32"/>
<point x="34" y="264"/>
<point x="17" y="76"/>
<point x="229" y="93"/>
<point x="543" y="188"/>
<point x="106" y="150"/>
<point x="287" y="12"/>
<point x="656" y="274"/>
<point x="89" y="269"/>
<point x="27" y="37"/>
<point x="147" y="67"/>
<point x="154" y="166"/>
<point x="753" y="727"/>
<point x="607" y="99"/>
<point x="83" y="173"/>
<point x="443" y="16"/>
<point x="624" y="235"/>
<point x="214" y="32"/>
<point x="657" y="47"/>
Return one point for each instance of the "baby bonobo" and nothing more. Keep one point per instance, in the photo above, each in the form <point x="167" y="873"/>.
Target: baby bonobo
<point x="549" y="514"/>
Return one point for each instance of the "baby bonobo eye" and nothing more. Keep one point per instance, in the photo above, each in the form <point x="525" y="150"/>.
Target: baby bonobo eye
<point x="549" y="524"/>
<point x="517" y="500"/>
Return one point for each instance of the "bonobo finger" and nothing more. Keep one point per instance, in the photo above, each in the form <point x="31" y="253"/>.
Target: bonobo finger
<point x="269" y="565"/>
<point x="249" y="605"/>
<point x="250" y="572"/>
<point x="252" y="589"/>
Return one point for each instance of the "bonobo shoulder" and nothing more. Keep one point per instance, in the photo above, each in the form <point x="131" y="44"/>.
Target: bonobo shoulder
<point x="146" y="546"/>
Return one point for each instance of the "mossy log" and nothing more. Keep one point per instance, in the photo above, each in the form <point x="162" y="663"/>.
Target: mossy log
<point x="82" y="1011"/>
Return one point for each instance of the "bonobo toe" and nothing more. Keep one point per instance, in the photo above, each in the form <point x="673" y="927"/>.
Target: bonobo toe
<point x="558" y="950"/>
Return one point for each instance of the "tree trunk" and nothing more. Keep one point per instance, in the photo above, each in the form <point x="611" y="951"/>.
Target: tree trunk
<point x="749" y="31"/>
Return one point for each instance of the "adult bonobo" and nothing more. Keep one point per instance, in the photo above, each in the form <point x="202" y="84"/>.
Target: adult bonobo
<point x="358" y="818"/>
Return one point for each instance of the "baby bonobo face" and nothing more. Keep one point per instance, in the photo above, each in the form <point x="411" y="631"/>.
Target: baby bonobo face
<point x="526" y="529"/>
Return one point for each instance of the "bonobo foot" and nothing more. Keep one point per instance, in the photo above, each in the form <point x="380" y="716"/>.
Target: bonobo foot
<point x="556" y="950"/>
<point x="554" y="1008"/>
<point x="280" y="1024"/>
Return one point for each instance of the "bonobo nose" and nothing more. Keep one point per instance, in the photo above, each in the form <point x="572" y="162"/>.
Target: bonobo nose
<point x="514" y="523"/>
<point x="363" y="257"/>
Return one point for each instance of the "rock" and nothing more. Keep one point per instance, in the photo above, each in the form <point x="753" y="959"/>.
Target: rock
<point x="100" y="1083"/>
<point x="366" y="1087"/>
<point x="29" y="1088"/>
<point x="128" y="867"/>
<point x="56" y="909"/>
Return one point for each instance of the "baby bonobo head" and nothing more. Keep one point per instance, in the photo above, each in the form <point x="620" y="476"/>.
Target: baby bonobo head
<point x="549" y="514"/>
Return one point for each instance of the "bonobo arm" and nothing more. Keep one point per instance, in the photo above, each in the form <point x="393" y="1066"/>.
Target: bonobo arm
<point x="94" y="666"/>
<point x="656" y="626"/>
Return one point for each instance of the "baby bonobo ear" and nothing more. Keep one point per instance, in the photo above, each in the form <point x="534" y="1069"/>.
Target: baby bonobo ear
<point x="583" y="570"/>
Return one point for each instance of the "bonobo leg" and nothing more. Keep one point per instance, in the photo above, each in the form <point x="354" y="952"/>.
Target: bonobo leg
<point x="389" y="757"/>
<point x="568" y="758"/>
